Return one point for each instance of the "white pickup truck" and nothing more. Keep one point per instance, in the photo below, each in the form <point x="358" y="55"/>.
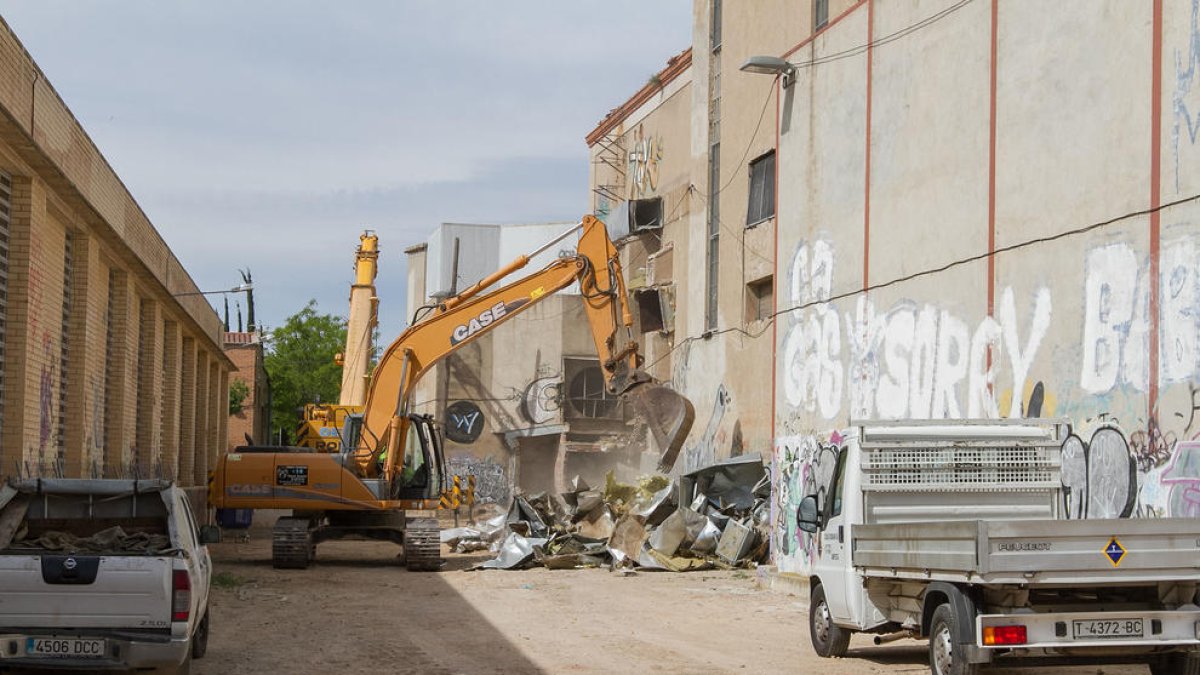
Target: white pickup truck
<point x="952" y="531"/>
<point x="101" y="575"/>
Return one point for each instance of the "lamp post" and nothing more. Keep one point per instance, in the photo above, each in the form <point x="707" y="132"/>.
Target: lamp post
<point x="236" y="289"/>
<point x="770" y="65"/>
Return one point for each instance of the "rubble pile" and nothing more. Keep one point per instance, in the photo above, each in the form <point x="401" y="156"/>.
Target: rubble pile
<point x="714" y="516"/>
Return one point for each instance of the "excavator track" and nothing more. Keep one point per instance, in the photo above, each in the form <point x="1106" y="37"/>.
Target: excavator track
<point x="291" y="544"/>
<point x="422" y="545"/>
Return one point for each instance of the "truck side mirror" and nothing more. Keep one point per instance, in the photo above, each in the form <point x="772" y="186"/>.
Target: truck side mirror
<point x="808" y="516"/>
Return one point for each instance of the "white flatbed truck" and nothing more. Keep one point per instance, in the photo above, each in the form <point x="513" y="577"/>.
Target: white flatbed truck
<point x="953" y="531"/>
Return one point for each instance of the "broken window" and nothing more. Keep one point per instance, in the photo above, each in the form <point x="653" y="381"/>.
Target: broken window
<point x="760" y="299"/>
<point x="645" y="214"/>
<point x="587" y="393"/>
<point x="762" y="189"/>
<point x="650" y="314"/>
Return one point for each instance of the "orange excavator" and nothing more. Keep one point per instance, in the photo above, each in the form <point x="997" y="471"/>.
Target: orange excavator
<point x="386" y="481"/>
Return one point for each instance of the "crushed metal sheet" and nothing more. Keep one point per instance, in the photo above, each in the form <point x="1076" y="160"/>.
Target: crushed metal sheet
<point x="515" y="552"/>
<point x="730" y="482"/>
<point x="706" y="541"/>
<point x="598" y="524"/>
<point x="659" y="506"/>
<point x="455" y="534"/>
<point x="628" y="537"/>
<point x="735" y="542"/>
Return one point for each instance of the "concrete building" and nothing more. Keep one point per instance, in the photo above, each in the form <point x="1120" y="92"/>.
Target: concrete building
<point x="111" y="361"/>
<point x="945" y="209"/>
<point x="1004" y="203"/>
<point x="524" y="406"/>
<point x="251" y="424"/>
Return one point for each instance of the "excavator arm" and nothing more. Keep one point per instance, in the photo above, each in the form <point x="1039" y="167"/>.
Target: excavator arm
<point x="473" y="313"/>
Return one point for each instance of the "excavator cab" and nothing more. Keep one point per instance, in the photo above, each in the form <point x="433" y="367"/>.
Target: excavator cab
<point x="421" y="473"/>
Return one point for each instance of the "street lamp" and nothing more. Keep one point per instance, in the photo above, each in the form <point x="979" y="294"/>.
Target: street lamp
<point x="236" y="289"/>
<point x="770" y="65"/>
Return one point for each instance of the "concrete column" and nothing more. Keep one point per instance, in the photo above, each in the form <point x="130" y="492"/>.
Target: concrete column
<point x="14" y="425"/>
<point x="217" y="410"/>
<point x="223" y="406"/>
<point x="148" y="420"/>
<point x="187" y="411"/>
<point x="119" y="399"/>
<point x="169" y="426"/>
<point x="84" y="340"/>
<point x="203" y="402"/>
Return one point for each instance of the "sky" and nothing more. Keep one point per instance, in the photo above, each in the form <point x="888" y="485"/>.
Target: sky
<point x="268" y="134"/>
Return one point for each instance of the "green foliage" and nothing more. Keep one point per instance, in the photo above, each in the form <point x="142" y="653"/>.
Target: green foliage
<point x="239" y="391"/>
<point x="300" y="363"/>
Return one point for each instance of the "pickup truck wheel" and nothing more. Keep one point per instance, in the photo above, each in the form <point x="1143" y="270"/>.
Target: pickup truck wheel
<point x="945" y="658"/>
<point x="200" y="639"/>
<point x="1176" y="664"/>
<point x="828" y="639"/>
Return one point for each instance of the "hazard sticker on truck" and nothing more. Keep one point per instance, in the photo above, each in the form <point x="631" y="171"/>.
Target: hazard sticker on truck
<point x="1115" y="552"/>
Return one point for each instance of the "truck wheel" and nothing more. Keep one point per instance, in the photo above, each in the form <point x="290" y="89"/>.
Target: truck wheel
<point x="944" y="655"/>
<point x="828" y="639"/>
<point x="1176" y="664"/>
<point x="200" y="639"/>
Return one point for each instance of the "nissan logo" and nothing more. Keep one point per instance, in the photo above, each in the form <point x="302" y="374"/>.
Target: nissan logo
<point x="69" y="563"/>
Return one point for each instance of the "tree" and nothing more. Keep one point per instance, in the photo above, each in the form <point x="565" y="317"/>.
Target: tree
<point x="300" y="364"/>
<point x="239" y="391"/>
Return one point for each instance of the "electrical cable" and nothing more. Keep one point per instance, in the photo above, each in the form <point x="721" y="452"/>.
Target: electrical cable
<point x="769" y="320"/>
<point x="891" y="37"/>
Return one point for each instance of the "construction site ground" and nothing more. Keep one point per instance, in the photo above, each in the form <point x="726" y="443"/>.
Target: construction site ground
<point x="358" y="611"/>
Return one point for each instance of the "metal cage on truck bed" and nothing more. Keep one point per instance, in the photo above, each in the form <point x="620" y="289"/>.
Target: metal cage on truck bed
<point x="932" y="470"/>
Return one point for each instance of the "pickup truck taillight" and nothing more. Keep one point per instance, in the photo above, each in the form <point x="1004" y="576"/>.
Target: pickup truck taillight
<point x="181" y="595"/>
<point x="1004" y="635"/>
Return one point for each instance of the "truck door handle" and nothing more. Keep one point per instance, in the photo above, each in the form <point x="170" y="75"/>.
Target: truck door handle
<point x="841" y="534"/>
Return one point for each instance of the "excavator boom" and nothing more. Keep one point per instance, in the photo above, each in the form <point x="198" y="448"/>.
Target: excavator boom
<point x="476" y="311"/>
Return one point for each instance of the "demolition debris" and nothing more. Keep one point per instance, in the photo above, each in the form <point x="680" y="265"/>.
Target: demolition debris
<point x="712" y="517"/>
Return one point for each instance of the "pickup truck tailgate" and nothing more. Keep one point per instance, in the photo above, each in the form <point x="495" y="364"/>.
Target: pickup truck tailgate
<point x="1033" y="551"/>
<point x="38" y="591"/>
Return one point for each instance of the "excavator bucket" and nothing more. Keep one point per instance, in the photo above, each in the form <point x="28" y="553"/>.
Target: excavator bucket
<point x="668" y="415"/>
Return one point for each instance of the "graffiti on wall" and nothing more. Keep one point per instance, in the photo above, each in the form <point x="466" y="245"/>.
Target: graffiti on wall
<point x="704" y="451"/>
<point x="911" y="360"/>
<point x="541" y="399"/>
<point x="917" y="360"/>
<point x="920" y="360"/>
<point x="644" y="159"/>
<point x="491" y="479"/>
<point x="1185" y="102"/>
<point x="802" y="465"/>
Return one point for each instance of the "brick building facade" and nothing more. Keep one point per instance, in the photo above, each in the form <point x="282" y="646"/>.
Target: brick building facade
<point x="253" y="420"/>
<point x="111" y="359"/>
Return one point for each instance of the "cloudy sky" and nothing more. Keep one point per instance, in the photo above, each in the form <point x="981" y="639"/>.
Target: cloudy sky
<point x="269" y="133"/>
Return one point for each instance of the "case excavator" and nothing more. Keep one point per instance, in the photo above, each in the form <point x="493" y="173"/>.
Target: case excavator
<point x="386" y="481"/>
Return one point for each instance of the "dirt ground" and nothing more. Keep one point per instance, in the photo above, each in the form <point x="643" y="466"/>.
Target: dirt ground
<point x="358" y="611"/>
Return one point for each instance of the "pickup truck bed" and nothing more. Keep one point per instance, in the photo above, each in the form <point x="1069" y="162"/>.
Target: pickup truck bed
<point x="99" y="575"/>
<point x="1031" y="552"/>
